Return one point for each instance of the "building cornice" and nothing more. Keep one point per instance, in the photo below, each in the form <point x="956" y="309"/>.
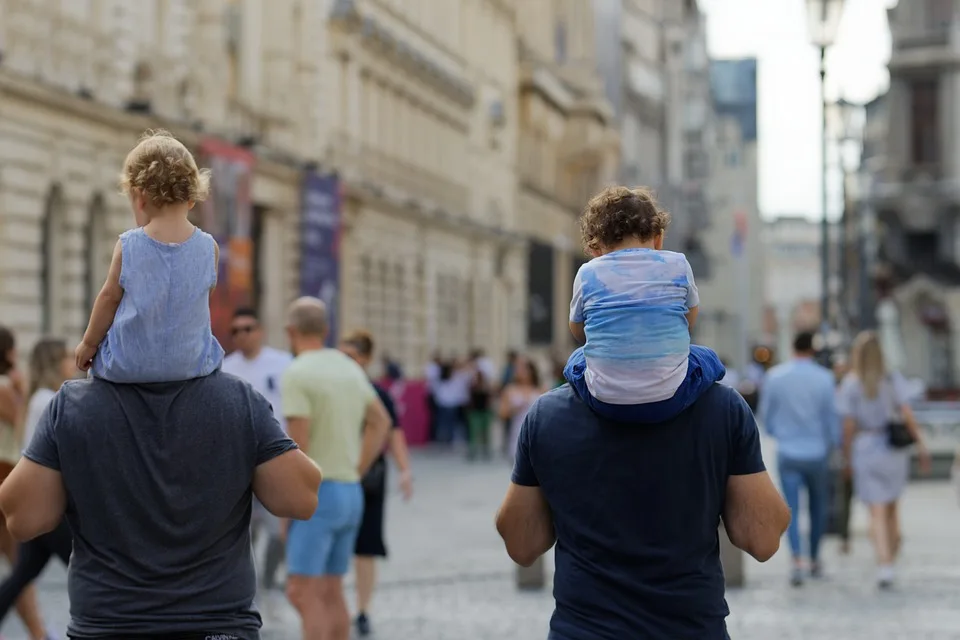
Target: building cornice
<point x="416" y="211"/>
<point x="541" y="81"/>
<point x="270" y="162"/>
<point x="383" y="41"/>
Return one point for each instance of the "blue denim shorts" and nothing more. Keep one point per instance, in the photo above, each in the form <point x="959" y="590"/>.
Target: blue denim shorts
<point x="323" y="545"/>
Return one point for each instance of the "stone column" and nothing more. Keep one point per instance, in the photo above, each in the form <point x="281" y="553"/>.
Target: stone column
<point x="732" y="560"/>
<point x="532" y="578"/>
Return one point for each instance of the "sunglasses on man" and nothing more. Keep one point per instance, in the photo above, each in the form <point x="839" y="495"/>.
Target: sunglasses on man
<point x="249" y="328"/>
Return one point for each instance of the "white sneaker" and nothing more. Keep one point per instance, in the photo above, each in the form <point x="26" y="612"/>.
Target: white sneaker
<point x="885" y="575"/>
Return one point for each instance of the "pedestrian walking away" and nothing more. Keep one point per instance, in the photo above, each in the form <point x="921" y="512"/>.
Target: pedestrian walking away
<point x="335" y="416"/>
<point x="13" y="401"/>
<point x="370" y="543"/>
<point x="872" y="401"/>
<point x="262" y="367"/>
<point x="50" y="365"/>
<point x="517" y="398"/>
<point x="798" y="408"/>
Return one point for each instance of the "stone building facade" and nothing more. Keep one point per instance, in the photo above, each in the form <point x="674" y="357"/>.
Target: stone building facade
<point x="79" y="83"/>
<point x="420" y="111"/>
<point x="568" y="150"/>
<point x="913" y="192"/>
<point x="421" y="122"/>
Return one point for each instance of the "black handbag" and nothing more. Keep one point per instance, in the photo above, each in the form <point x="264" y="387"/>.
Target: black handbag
<point x="898" y="435"/>
<point x="374" y="481"/>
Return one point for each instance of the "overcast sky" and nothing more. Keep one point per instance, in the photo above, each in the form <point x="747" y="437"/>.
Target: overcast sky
<point x="775" y="31"/>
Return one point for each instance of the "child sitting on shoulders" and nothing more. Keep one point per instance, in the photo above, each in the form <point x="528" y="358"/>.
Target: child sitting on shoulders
<point x="633" y="306"/>
<point x="151" y="319"/>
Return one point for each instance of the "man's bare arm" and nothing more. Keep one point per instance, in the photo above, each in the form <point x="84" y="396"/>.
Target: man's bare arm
<point x="376" y="429"/>
<point x="287" y="485"/>
<point x="755" y="515"/>
<point x="525" y="523"/>
<point x="33" y="500"/>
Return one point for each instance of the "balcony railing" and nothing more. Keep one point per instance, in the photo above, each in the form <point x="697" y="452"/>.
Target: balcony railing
<point x="382" y="169"/>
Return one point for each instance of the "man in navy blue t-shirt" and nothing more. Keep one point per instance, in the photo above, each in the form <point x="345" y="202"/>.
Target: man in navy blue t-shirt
<point x="634" y="511"/>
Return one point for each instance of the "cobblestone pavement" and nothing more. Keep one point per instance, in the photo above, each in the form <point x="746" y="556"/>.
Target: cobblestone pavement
<point x="449" y="579"/>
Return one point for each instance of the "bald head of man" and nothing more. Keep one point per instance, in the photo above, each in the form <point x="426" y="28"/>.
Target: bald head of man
<point x="307" y="324"/>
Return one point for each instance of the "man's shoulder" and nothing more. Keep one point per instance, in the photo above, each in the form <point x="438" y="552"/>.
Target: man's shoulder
<point x="232" y="360"/>
<point x="720" y="400"/>
<point x="557" y="406"/>
<point x="277" y="356"/>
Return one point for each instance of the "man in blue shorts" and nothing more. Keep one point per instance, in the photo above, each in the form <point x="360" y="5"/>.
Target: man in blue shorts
<point x="327" y="400"/>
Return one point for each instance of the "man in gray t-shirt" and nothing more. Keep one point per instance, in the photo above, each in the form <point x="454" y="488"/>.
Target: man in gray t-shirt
<point x="156" y="482"/>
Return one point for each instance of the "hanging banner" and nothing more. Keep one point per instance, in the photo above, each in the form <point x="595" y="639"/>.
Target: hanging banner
<point x="227" y="215"/>
<point x="320" y="244"/>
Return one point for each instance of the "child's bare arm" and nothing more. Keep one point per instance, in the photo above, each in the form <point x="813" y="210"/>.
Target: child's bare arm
<point x="576" y="328"/>
<point x="692" y="316"/>
<point x="216" y="267"/>
<point x="104" y="310"/>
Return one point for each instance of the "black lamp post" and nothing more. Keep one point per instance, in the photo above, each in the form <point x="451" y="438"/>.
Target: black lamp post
<point x="823" y="17"/>
<point x="851" y="141"/>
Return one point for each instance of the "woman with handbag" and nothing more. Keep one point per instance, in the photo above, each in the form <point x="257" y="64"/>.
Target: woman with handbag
<point x="879" y="429"/>
<point x="370" y="545"/>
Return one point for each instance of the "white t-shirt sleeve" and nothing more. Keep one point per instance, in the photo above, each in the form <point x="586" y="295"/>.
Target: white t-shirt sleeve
<point x="230" y="363"/>
<point x="38" y="402"/>
<point x="576" y="302"/>
<point x="693" y="294"/>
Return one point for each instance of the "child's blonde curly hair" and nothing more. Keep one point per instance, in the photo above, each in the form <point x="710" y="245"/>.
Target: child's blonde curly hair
<point x="164" y="171"/>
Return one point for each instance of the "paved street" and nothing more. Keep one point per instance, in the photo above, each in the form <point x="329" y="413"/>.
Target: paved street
<point x="449" y="579"/>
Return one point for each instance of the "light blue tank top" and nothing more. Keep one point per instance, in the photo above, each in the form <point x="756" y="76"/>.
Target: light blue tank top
<point x="161" y="331"/>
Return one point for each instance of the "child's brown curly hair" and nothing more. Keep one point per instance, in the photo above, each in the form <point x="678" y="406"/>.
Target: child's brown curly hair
<point x="617" y="213"/>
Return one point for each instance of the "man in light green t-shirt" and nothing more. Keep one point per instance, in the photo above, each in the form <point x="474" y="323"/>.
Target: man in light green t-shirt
<point x="335" y="416"/>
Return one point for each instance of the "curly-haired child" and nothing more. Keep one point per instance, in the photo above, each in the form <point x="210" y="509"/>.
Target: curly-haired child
<point x="151" y="319"/>
<point x="633" y="306"/>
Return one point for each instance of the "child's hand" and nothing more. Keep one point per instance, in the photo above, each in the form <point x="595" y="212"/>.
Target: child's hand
<point x="85" y="353"/>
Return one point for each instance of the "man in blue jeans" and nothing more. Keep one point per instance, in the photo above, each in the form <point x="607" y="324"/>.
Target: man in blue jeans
<point x="798" y="408"/>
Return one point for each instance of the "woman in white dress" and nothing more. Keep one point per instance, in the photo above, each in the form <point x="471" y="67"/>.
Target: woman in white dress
<point x="869" y="399"/>
<point x="518" y="397"/>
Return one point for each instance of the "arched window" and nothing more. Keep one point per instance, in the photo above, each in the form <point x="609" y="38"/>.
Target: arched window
<point x="95" y="251"/>
<point x="51" y="268"/>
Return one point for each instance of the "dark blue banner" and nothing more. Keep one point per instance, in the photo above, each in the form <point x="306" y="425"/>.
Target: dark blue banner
<point x="320" y="244"/>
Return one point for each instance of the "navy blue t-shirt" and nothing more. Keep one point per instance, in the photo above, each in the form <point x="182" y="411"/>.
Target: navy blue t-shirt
<point x="636" y="510"/>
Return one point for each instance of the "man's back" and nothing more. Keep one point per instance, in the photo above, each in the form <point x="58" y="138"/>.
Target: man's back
<point x="333" y="392"/>
<point x="798" y="408"/>
<point x="159" y="494"/>
<point x="636" y="511"/>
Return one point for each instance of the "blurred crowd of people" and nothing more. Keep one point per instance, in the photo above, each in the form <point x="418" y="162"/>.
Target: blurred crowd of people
<point x="473" y="405"/>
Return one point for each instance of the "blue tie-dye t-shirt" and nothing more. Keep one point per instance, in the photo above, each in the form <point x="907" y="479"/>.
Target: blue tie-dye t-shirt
<point x="633" y="304"/>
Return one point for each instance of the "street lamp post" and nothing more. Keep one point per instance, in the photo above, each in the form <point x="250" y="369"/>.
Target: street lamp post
<point x="824" y="21"/>
<point x="851" y="140"/>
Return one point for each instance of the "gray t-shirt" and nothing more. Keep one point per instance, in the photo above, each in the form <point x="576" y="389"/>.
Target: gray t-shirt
<point x="158" y="480"/>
